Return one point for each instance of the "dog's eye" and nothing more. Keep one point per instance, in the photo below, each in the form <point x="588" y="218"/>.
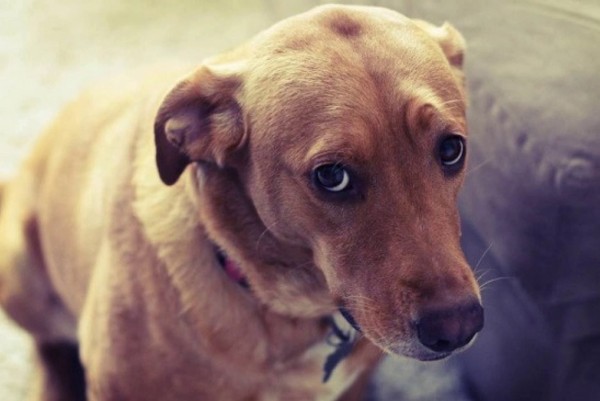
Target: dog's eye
<point x="452" y="150"/>
<point x="332" y="177"/>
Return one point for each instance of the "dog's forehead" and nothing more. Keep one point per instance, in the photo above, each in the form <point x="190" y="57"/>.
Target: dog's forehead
<point x="347" y="22"/>
<point x="334" y="47"/>
<point x="374" y="33"/>
<point x="337" y="67"/>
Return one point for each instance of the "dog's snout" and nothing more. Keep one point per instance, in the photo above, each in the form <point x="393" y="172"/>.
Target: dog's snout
<point x="447" y="329"/>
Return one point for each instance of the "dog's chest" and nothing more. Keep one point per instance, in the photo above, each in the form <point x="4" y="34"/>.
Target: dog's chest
<point x="302" y="379"/>
<point x="298" y="379"/>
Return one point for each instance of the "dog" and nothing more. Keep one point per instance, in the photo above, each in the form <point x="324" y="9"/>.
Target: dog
<point x="265" y="228"/>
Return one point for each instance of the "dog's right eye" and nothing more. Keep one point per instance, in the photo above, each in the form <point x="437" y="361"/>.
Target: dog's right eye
<point x="451" y="152"/>
<point x="332" y="178"/>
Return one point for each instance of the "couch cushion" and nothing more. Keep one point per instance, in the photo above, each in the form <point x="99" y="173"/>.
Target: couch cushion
<point x="532" y="194"/>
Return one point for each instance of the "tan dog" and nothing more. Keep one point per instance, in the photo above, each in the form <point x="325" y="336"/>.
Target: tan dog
<point x="323" y="159"/>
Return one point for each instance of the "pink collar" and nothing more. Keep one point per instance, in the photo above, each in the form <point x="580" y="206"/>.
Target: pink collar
<point x="232" y="269"/>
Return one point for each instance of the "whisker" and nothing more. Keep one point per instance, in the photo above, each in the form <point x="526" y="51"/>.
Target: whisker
<point x="366" y="310"/>
<point x="477" y="167"/>
<point x="483" y="255"/>
<point x="480" y="276"/>
<point x="493" y="280"/>
<point x="261" y="236"/>
<point x="363" y="304"/>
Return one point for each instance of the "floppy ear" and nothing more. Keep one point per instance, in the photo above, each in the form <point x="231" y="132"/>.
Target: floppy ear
<point x="199" y="120"/>
<point x="453" y="44"/>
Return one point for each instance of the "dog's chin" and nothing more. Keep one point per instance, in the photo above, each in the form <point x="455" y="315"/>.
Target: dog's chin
<point x="412" y="349"/>
<point x="418" y="353"/>
<point x="433" y="356"/>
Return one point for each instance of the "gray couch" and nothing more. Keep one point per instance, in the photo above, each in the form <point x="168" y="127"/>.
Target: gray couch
<point x="531" y="203"/>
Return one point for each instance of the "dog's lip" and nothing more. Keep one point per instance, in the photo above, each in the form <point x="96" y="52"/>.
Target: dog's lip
<point x="418" y="352"/>
<point x="430" y="357"/>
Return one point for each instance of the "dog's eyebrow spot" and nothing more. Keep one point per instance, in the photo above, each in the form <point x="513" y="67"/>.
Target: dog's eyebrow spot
<point x="345" y="26"/>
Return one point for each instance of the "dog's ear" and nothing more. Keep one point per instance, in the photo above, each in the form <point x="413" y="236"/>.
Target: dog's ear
<point x="200" y="119"/>
<point x="453" y="44"/>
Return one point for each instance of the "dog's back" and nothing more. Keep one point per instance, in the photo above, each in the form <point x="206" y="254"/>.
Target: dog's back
<point x="56" y="214"/>
<point x="66" y="187"/>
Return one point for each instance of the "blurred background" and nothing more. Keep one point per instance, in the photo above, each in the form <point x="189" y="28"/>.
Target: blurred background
<point x="530" y="207"/>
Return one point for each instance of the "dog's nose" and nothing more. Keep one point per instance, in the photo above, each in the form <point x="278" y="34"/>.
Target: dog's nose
<point x="446" y="329"/>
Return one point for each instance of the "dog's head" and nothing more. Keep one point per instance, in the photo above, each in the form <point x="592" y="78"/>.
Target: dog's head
<point x="332" y="149"/>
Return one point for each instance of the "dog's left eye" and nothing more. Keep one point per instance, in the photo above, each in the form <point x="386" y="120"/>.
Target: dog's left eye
<point x="452" y="150"/>
<point x="332" y="177"/>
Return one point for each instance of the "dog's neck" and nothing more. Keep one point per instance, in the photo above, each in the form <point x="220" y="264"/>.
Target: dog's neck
<point x="282" y="276"/>
<point x="232" y="269"/>
<point x="253" y="334"/>
<point x="342" y="336"/>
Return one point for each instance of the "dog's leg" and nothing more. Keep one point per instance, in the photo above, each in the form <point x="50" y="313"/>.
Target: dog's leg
<point x="27" y="296"/>
<point x="61" y="376"/>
